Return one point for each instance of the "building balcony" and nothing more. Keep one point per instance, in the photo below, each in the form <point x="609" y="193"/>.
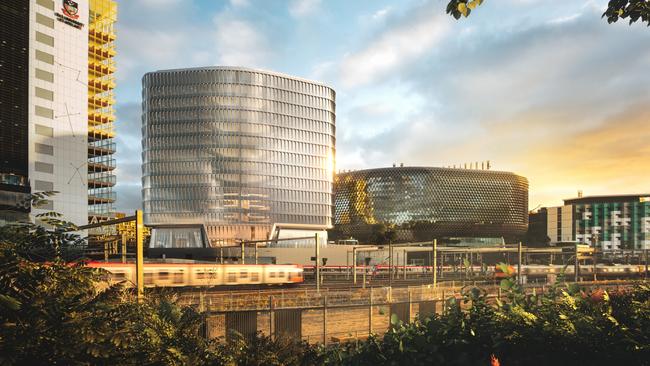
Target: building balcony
<point x="99" y="102"/>
<point x="105" y="182"/>
<point x="99" y="86"/>
<point x="96" y="134"/>
<point x="103" y="150"/>
<point x="104" y="165"/>
<point x="100" y="35"/>
<point x="100" y="53"/>
<point x="98" y="118"/>
<point x="98" y="198"/>
<point x="98" y="69"/>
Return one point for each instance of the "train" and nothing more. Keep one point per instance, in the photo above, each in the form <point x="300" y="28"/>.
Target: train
<point x="203" y="274"/>
<point x="210" y="274"/>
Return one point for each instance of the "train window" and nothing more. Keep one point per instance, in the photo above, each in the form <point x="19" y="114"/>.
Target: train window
<point x="243" y="274"/>
<point x="212" y="273"/>
<point x="281" y="274"/>
<point x="118" y="275"/>
<point x="232" y="277"/>
<point x="255" y="277"/>
<point x="163" y="275"/>
<point x="272" y="274"/>
<point x="200" y="275"/>
<point x="148" y="278"/>
<point x="178" y="277"/>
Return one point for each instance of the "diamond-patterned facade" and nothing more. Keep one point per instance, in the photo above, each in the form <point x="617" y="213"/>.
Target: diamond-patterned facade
<point x="423" y="203"/>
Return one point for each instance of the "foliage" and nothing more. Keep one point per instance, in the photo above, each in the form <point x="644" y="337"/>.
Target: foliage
<point x="61" y="312"/>
<point x="49" y="238"/>
<point x="634" y="10"/>
<point x="565" y="325"/>
<point x="382" y="234"/>
<point x="263" y="351"/>
<point x="57" y="312"/>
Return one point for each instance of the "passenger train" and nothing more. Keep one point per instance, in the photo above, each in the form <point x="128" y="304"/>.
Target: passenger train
<point x="204" y="274"/>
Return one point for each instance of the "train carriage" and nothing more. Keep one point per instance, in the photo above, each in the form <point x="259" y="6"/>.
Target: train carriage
<point x="204" y="274"/>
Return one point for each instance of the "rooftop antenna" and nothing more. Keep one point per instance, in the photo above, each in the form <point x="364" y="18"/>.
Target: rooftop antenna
<point x="580" y="193"/>
<point x="488" y="165"/>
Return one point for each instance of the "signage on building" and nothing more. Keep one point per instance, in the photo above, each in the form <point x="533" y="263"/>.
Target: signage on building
<point x="70" y="14"/>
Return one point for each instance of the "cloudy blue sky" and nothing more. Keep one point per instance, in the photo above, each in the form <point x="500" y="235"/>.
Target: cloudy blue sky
<point x="544" y="88"/>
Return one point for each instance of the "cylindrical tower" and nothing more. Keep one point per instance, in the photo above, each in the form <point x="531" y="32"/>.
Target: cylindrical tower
<point x="423" y="203"/>
<point x="238" y="150"/>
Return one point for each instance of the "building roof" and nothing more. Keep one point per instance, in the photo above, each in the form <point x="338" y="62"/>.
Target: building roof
<point x="237" y="68"/>
<point x="607" y="198"/>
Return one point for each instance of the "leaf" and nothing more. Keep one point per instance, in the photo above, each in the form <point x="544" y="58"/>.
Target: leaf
<point x="9" y="302"/>
<point x="474" y="3"/>
<point x="506" y="284"/>
<point x="394" y="320"/>
<point x="462" y="8"/>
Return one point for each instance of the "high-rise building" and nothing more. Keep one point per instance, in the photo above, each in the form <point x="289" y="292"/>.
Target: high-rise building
<point x="43" y="105"/>
<point x="56" y="118"/>
<point x="607" y="222"/>
<point x="422" y="203"/>
<point x="101" y="83"/>
<point x="243" y="152"/>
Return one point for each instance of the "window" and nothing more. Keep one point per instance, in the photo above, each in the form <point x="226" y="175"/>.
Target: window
<point x="44" y="93"/>
<point x="44" y="149"/>
<point x="44" y="167"/>
<point x="178" y="277"/>
<point x="44" y="20"/>
<point x="48" y="4"/>
<point x="44" y="38"/>
<point x="44" y="75"/>
<point x="232" y="277"/>
<point x="44" y="112"/>
<point x="163" y="276"/>
<point x="40" y="185"/>
<point x="148" y="278"/>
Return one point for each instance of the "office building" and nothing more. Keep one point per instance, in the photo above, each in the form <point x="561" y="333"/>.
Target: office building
<point x="56" y="118"/>
<point x="607" y="222"/>
<point x="43" y="106"/>
<point x="423" y="203"/>
<point x="248" y="154"/>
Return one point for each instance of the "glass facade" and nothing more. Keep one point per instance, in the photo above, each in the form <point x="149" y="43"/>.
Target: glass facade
<point x="237" y="150"/>
<point x="14" y="106"/>
<point x="425" y="203"/>
<point x="611" y="222"/>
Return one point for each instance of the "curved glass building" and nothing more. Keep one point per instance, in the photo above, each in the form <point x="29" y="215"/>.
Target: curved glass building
<point x="424" y="203"/>
<point x="238" y="150"/>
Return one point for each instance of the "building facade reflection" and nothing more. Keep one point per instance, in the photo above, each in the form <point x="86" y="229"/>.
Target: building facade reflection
<point x="238" y="150"/>
<point x="422" y="203"/>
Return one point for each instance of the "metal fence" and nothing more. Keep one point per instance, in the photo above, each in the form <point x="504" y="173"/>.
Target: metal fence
<point x="329" y="315"/>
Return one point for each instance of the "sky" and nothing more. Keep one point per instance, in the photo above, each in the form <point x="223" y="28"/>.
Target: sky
<point x="543" y="88"/>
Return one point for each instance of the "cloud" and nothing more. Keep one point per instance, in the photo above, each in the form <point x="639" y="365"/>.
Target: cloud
<point x="239" y="3"/>
<point x="381" y="13"/>
<point x="128" y="156"/>
<point x="239" y="43"/>
<point x="399" y="45"/>
<point x="562" y="103"/>
<point x="303" y="8"/>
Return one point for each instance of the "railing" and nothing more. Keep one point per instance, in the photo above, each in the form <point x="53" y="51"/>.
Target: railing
<point x="333" y="315"/>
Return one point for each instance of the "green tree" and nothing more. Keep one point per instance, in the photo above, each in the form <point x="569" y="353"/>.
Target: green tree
<point x="632" y="10"/>
<point x="382" y="234"/>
